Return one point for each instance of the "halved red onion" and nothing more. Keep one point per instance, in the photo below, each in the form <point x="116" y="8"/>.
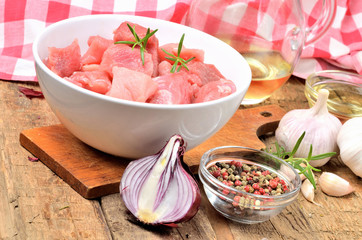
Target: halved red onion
<point x="158" y="189"/>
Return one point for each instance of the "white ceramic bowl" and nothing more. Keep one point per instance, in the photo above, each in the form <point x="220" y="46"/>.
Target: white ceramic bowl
<point x="131" y="129"/>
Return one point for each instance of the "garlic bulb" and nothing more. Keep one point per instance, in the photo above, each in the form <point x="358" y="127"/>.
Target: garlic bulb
<point x="321" y="129"/>
<point x="349" y="141"/>
<point x="334" y="185"/>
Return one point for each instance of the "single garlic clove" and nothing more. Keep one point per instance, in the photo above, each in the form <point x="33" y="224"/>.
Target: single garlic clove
<point x="308" y="190"/>
<point x="334" y="185"/>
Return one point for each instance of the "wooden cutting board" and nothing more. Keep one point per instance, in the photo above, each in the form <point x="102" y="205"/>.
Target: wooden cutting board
<point x="93" y="173"/>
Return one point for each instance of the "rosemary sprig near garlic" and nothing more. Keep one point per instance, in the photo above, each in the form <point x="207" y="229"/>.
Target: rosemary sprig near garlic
<point x="300" y="163"/>
<point x="320" y="126"/>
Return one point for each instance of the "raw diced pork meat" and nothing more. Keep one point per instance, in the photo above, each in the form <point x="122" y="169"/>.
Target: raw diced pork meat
<point x="121" y="55"/>
<point x="206" y="72"/>
<point x="123" y="33"/>
<point x="96" y="81"/>
<point x="131" y="85"/>
<point x="97" y="46"/>
<point x="214" y="90"/>
<point x="173" y="88"/>
<point x="164" y="68"/>
<point x="64" y="61"/>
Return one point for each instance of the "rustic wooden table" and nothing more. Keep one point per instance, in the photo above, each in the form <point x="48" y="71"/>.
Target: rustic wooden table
<point x="37" y="204"/>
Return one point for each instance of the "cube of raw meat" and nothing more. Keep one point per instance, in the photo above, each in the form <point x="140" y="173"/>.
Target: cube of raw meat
<point x="131" y="85"/>
<point x="121" y="55"/>
<point x="64" y="61"/>
<point x="123" y="33"/>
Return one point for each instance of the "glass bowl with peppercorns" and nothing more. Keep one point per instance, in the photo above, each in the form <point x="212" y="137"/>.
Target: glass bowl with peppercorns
<point x="247" y="185"/>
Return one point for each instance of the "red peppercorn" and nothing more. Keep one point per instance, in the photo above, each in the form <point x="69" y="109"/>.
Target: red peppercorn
<point x="225" y="191"/>
<point x="247" y="188"/>
<point x="237" y="183"/>
<point x="230" y="183"/>
<point x="238" y="164"/>
<point x="236" y="201"/>
<point x="261" y="190"/>
<point x="273" y="184"/>
<point x="232" y="162"/>
<point x="256" y="186"/>
<point x="266" y="194"/>
<point x="216" y="173"/>
<point x="285" y="188"/>
<point x="257" y="192"/>
<point x="266" y="172"/>
<point x="277" y="179"/>
<point x="282" y="182"/>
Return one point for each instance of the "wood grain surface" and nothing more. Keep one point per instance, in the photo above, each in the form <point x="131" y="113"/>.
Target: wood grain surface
<point x="37" y="204"/>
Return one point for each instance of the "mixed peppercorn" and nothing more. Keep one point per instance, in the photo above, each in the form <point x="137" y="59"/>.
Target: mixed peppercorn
<point x="248" y="178"/>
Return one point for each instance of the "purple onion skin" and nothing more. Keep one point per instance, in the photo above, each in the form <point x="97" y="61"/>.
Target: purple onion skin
<point x="132" y="205"/>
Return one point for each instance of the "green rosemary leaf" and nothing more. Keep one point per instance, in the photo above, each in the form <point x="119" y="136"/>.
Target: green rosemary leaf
<point x="142" y="55"/>
<point x="180" y="45"/>
<point x="148" y="35"/>
<point x="310" y="152"/>
<point x="300" y="139"/>
<point x="309" y="175"/>
<point x="188" y="60"/>
<point x="172" y="59"/>
<point x="323" y="155"/>
<point x="124" y="42"/>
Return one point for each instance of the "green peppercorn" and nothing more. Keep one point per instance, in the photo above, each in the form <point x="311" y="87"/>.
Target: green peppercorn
<point x="223" y="170"/>
<point x="269" y="177"/>
<point x="230" y="171"/>
<point x="231" y="177"/>
<point x="225" y="165"/>
<point x="246" y="168"/>
<point x="233" y="167"/>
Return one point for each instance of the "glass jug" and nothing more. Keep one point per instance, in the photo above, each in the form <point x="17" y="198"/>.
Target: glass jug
<point x="270" y="34"/>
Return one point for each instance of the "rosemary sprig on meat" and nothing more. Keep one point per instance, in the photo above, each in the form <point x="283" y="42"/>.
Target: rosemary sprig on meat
<point x="178" y="61"/>
<point x="139" y="42"/>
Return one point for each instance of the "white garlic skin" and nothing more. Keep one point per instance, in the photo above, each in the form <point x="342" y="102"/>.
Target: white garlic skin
<point x="321" y="129"/>
<point x="334" y="185"/>
<point x="349" y="141"/>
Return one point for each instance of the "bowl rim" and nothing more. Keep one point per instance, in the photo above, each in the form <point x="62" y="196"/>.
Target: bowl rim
<point x="41" y="64"/>
<point x="288" y="195"/>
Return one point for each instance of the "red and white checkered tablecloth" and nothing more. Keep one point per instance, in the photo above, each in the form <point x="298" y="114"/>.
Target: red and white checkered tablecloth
<point x="22" y="20"/>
